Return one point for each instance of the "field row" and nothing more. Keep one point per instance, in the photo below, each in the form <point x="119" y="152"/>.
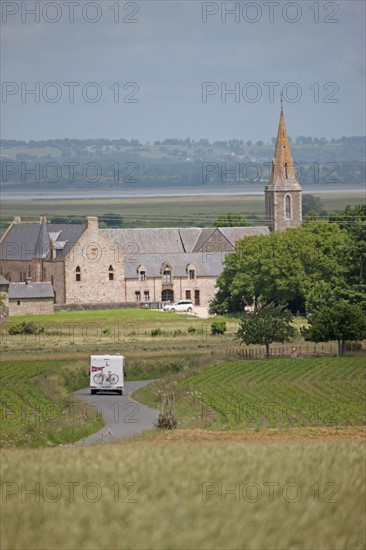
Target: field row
<point x="282" y="393"/>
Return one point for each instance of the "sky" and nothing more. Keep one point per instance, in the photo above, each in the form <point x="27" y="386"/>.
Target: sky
<point x="151" y="70"/>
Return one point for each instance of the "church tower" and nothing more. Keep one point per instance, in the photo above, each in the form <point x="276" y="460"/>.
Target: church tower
<point x="283" y="192"/>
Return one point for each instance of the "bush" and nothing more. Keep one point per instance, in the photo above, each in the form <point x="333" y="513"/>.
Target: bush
<point x="167" y="419"/>
<point x="156" y="332"/>
<point x="26" y="328"/>
<point x="218" y="327"/>
<point x="106" y="332"/>
<point x="191" y="330"/>
<point x="177" y="332"/>
<point x="353" y="346"/>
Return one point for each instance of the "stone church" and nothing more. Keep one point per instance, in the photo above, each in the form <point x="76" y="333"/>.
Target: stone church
<point x="89" y="265"/>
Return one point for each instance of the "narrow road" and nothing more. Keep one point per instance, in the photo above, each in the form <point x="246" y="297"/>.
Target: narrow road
<point x="122" y="415"/>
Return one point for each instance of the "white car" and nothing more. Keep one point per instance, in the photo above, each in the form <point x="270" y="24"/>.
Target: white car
<point x="181" y="305"/>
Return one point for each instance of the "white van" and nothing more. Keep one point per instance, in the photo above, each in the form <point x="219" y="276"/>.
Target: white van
<point x="106" y="373"/>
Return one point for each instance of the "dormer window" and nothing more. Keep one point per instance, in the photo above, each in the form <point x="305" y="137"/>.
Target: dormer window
<point x="111" y="273"/>
<point x="142" y="276"/>
<point x="192" y="274"/>
<point x="167" y="276"/>
<point x="78" y="274"/>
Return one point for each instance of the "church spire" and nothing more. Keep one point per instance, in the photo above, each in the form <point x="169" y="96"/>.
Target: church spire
<point x="283" y="192"/>
<point x="283" y="174"/>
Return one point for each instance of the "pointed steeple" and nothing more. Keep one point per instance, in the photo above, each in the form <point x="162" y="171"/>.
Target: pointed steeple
<point x="283" y="194"/>
<point x="283" y="175"/>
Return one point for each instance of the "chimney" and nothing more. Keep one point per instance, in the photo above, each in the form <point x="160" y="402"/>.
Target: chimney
<point x="91" y="222"/>
<point x="28" y="280"/>
<point x="17" y="220"/>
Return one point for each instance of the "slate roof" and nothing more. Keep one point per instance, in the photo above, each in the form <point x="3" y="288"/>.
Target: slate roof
<point x="4" y="281"/>
<point x="30" y="290"/>
<point x="173" y="240"/>
<point x="206" y="265"/>
<point x="146" y="241"/>
<point x="26" y="241"/>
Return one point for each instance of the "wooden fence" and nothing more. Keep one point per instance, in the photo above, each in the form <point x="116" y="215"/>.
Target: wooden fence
<point x="305" y="350"/>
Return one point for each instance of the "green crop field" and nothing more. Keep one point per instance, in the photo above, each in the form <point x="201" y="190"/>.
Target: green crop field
<point x="160" y="211"/>
<point x="35" y="405"/>
<point x="283" y="392"/>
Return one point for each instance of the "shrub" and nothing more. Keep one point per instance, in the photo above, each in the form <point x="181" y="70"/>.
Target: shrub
<point x="167" y="419"/>
<point x="25" y="328"/>
<point x="191" y="330"/>
<point x="218" y="327"/>
<point x="106" y="332"/>
<point x="156" y="332"/>
<point x="177" y="332"/>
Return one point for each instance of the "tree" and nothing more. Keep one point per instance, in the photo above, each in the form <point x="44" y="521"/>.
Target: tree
<point x="266" y="325"/>
<point x="342" y="321"/>
<point x="282" y="267"/>
<point x="231" y="219"/>
<point x="311" y="204"/>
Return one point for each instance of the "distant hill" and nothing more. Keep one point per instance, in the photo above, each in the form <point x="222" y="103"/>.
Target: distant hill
<point x="71" y="163"/>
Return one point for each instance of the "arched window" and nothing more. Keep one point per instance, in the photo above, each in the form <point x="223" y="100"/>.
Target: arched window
<point x="288" y="208"/>
<point x="167" y="295"/>
<point x="78" y="274"/>
<point x="111" y="273"/>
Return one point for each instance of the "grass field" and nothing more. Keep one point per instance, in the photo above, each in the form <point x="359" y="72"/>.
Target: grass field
<point x="185" y="495"/>
<point x="163" y="211"/>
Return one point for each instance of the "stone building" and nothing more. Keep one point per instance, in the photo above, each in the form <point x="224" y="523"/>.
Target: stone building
<point x="30" y="299"/>
<point x="89" y="265"/>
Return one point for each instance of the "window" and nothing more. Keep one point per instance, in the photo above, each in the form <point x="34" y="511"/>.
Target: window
<point x="288" y="207"/>
<point x="142" y="276"/>
<point x="138" y="296"/>
<point x="51" y="279"/>
<point x="167" y="295"/>
<point x="18" y="302"/>
<point x="111" y="273"/>
<point x="78" y="274"/>
<point x="146" y="295"/>
<point x="286" y="172"/>
<point x="167" y="276"/>
<point x="54" y="297"/>
<point x="196" y="297"/>
<point x="188" y="295"/>
<point x="192" y="273"/>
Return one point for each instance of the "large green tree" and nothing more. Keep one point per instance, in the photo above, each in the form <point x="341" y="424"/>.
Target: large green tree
<point x="283" y="267"/>
<point x="266" y="325"/>
<point x="342" y="321"/>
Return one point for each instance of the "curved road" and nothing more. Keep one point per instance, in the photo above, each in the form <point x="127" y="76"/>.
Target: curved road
<point x="122" y="415"/>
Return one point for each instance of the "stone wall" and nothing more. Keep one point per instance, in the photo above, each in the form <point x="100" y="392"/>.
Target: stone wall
<point x="278" y="221"/>
<point x="90" y="261"/>
<point x="40" y="306"/>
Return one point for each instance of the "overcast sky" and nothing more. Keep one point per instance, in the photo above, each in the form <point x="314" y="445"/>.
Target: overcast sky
<point x="164" y="52"/>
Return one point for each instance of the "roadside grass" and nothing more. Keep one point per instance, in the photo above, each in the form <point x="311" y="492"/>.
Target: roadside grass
<point x="260" y="394"/>
<point x="176" y="495"/>
<point x="36" y="406"/>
